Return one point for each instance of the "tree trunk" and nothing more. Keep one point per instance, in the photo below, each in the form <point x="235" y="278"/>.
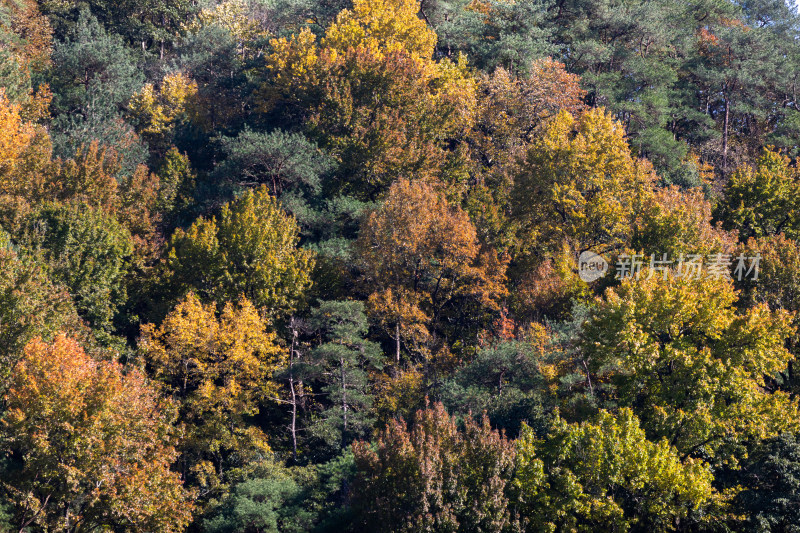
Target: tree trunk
<point x="725" y="138"/>
<point x="344" y="406"/>
<point x="294" y="396"/>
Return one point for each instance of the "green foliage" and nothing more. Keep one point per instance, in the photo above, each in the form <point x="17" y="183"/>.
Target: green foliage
<point x="250" y="250"/>
<point x="144" y="24"/>
<point x="761" y="200"/>
<point x="605" y="475"/>
<point x="92" y="77"/>
<point x="290" y="166"/>
<point x="264" y="505"/>
<point x="86" y="250"/>
<point x="341" y="364"/>
<point x="30" y="306"/>
<point x="492" y="33"/>
<point x="692" y="368"/>
<point x="272" y="498"/>
<point x="176" y="183"/>
<point x="504" y="382"/>
<point x="210" y="56"/>
<point x="89" y="64"/>
<point x="770" y="478"/>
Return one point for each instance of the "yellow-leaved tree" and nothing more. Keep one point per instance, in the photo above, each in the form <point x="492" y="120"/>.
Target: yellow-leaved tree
<point x="218" y="369"/>
<point x="158" y="111"/>
<point x="695" y="370"/>
<point x="580" y="185"/>
<point x="371" y="93"/>
<point x="24" y="151"/>
<point x="250" y="249"/>
<point x="578" y="189"/>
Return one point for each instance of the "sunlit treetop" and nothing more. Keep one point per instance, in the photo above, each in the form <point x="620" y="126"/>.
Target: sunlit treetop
<point x="383" y="26"/>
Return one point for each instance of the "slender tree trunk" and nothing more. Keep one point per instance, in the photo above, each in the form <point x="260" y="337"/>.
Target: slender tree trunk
<point x="294" y="396"/>
<point x="344" y="405"/>
<point x="397" y="340"/>
<point x="725" y="138"/>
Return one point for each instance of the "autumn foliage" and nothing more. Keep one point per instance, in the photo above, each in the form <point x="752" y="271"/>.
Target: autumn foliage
<point x="95" y="444"/>
<point x="424" y="266"/>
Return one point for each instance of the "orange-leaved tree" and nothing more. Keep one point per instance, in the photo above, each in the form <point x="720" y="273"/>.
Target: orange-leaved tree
<point x="426" y="270"/>
<point x="93" y="445"/>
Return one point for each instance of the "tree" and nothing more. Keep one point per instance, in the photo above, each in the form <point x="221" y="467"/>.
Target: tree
<point x="86" y="250"/>
<point x="424" y="269"/>
<point x="433" y="477"/>
<point x="95" y="177"/>
<point x="270" y="497"/>
<point x="93" y="76"/>
<point x="31" y="306"/>
<point x="504" y="382"/>
<point x="737" y="70"/>
<point x="16" y="136"/>
<point x="605" y="475"/>
<point x="266" y="504"/>
<point x="343" y="359"/>
<point x="251" y="250"/>
<point x="511" y="111"/>
<point x="492" y="34"/>
<point x="25" y="154"/>
<point x="210" y="55"/>
<point x="27" y="41"/>
<point x="769" y="477"/>
<point x="240" y="19"/>
<point x="145" y="24"/>
<point x="778" y="287"/>
<point x="289" y="165"/>
<point x="692" y="367"/>
<point x="159" y="111"/>
<point x="218" y="370"/>
<point x="93" y="445"/>
<point x="371" y="94"/>
<point x="176" y="184"/>
<point x="578" y="189"/>
<point x="677" y="221"/>
<point x="760" y="200"/>
<point x="580" y="184"/>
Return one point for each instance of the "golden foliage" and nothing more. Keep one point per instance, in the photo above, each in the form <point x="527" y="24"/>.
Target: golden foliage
<point x="15" y="137"/>
<point x="371" y="93"/>
<point x="218" y="369"/>
<point x="580" y="185"/>
<point x="158" y="111"/>
<point x="96" y="444"/>
<point x="383" y="27"/>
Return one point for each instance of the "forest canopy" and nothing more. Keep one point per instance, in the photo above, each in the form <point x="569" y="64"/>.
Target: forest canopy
<point x="424" y="266"/>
